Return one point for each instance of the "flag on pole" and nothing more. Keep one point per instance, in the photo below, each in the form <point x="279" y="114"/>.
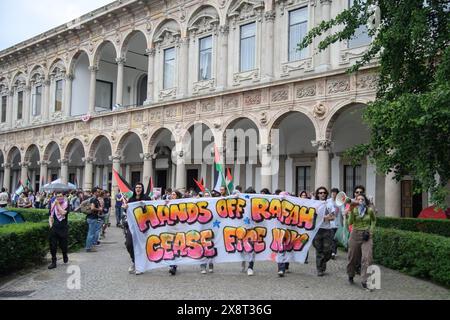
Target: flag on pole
<point x="150" y="188"/>
<point x="19" y="189"/>
<point x="229" y="181"/>
<point x="200" y="185"/>
<point x="221" y="181"/>
<point x="29" y="184"/>
<point x="123" y="185"/>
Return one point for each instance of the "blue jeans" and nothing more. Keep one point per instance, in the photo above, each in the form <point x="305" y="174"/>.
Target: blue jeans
<point x="92" y="223"/>
<point x="118" y="215"/>
<point x="99" y="228"/>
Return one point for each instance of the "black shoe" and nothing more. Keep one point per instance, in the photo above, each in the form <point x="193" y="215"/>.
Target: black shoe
<point x="65" y="258"/>
<point x="350" y="280"/>
<point x="320" y="273"/>
<point x="364" y="285"/>
<point x="52" y="266"/>
<point x="173" y="271"/>
<point x="281" y="274"/>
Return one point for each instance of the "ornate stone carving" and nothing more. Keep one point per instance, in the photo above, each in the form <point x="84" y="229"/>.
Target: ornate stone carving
<point x="246" y="10"/>
<point x="264" y="119"/>
<point x="270" y="15"/>
<point x="190" y="108"/>
<point x="171" y="112"/>
<point x="305" y="64"/>
<point x="280" y="95"/>
<point x="208" y="105"/>
<point x="146" y="156"/>
<point x="230" y="103"/>
<point x="243" y="76"/>
<point x="204" y="85"/>
<point x="70" y="127"/>
<point x="169" y="93"/>
<point x="155" y="115"/>
<point x="138" y="116"/>
<point x="322" y="145"/>
<point x="58" y="129"/>
<point x="306" y="91"/>
<point x="122" y="119"/>
<point x="252" y="98"/>
<point x="108" y="122"/>
<point x="338" y="85"/>
<point x="369" y="82"/>
<point x="320" y="110"/>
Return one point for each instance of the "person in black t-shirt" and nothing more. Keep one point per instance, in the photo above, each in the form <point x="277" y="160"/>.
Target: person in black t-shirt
<point x="138" y="195"/>
<point x="92" y="220"/>
<point x="59" y="228"/>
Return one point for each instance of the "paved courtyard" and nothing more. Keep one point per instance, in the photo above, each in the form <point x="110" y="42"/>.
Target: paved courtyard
<point x="104" y="276"/>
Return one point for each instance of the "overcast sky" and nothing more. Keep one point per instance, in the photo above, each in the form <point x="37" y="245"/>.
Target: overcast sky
<point x="23" y="19"/>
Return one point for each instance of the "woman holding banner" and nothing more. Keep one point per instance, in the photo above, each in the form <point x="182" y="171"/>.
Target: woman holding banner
<point x="363" y="220"/>
<point x="174" y="196"/>
<point x="138" y="196"/>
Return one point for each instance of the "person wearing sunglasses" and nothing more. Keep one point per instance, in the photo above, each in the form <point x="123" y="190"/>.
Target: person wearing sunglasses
<point x="323" y="242"/>
<point x="59" y="228"/>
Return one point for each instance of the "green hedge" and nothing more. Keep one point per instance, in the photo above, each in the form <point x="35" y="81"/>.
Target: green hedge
<point x="32" y="215"/>
<point x="433" y="226"/>
<point x="25" y="245"/>
<point x="417" y="254"/>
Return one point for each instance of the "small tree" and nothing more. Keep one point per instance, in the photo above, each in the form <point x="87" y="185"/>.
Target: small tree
<point x="410" y="119"/>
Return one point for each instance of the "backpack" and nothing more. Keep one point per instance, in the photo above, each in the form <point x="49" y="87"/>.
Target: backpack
<point x="85" y="207"/>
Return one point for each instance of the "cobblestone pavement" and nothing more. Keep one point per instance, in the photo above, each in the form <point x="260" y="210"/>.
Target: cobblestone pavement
<point x="104" y="276"/>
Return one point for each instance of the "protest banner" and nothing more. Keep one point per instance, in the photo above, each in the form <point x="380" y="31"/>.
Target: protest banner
<point x="233" y="229"/>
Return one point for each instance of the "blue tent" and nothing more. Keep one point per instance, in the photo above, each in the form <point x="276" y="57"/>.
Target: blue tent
<point x="9" y="217"/>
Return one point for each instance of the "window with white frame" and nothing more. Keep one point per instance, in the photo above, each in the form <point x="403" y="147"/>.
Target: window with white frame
<point x="19" y="105"/>
<point x="205" y="56"/>
<point x="58" y="95"/>
<point x="3" y="110"/>
<point x="248" y="47"/>
<point x="361" y="36"/>
<point x="37" y="101"/>
<point x="352" y="178"/>
<point x="298" y="27"/>
<point x="169" y="68"/>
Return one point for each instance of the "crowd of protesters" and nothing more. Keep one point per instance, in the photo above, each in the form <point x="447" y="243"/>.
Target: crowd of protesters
<point x="352" y="224"/>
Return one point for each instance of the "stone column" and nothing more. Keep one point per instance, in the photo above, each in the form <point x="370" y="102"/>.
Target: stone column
<point x="148" y="168"/>
<point x="222" y="70"/>
<point x="7" y="176"/>
<point x="33" y="179"/>
<point x="180" y="183"/>
<point x="92" y="88"/>
<point x="323" y="163"/>
<point x="26" y="115"/>
<point x="24" y="172"/>
<point x="105" y="177"/>
<point x="97" y="173"/>
<point x="268" y="45"/>
<point x="10" y="107"/>
<point x="336" y="172"/>
<point x="128" y="173"/>
<point x="324" y="56"/>
<point x="266" y="166"/>
<point x="68" y="95"/>
<point x="64" y="163"/>
<point x="78" y="175"/>
<point x="116" y="166"/>
<point x="119" y="92"/>
<point x="88" y="170"/>
<point x="45" y="99"/>
<point x="183" y="68"/>
<point x="392" y="194"/>
<point x="249" y="176"/>
<point x="150" y="76"/>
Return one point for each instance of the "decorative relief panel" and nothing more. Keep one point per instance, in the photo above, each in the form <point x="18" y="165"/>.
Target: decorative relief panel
<point x="96" y="124"/>
<point x="70" y="127"/>
<point x="169" y="93"/>
<point x="48" y="132"/>
<point x="280" y="94"/>
<point x="305" y="91"/>
<point x="172" y="112"/>
<point x="108" y="122"/>
<point x="208" y="105"/>
<point x="58" y="129"/>
<point x="138" y="116"/>
<point x="190" y="108"/>
<point x="209" y="85"/>
<point x="244" y="76"/>
<point x="306" y="65"/>
<point x="155" y="115"/>
<point x="338" y="85"/>
<point x="369" y="82"/>
<point x="231" y="102"/>
<point x="252" y="98"/>
<point x="122" y="120"/>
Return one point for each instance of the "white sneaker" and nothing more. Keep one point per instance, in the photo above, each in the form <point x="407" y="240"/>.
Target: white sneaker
<point x="204" y="271"/>
<point x="250" y="272"/>
<point x="132" y="269"/>
<point x="138" y="273"/>
<point x="211" y="270"/>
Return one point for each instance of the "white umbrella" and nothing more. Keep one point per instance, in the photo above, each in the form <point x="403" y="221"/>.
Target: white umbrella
<point x="57" y="185"/>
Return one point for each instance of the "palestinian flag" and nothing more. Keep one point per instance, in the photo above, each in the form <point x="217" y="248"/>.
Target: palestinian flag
<point x="229" y="181"/>
<point x="20" y="189"/>
<point x="221" y="182"/>
<point x="29" y="184"/>
<point x="150" y="188"/>
<point x="123" y="185"/>
<point x="200" y="185"/>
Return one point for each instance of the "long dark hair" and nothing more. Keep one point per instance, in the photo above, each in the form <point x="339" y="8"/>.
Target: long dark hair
<point x="135" y="196"/>
<point x="366" y="200"/>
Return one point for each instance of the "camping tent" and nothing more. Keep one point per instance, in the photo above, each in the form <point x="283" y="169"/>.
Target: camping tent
<point x="9" y="217"/>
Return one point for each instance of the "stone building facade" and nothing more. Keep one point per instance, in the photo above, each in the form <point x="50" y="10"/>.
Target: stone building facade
<point x="123" y="86"/>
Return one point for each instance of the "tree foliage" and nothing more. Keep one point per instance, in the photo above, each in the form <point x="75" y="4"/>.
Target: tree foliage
<point x="410" y="119"/>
